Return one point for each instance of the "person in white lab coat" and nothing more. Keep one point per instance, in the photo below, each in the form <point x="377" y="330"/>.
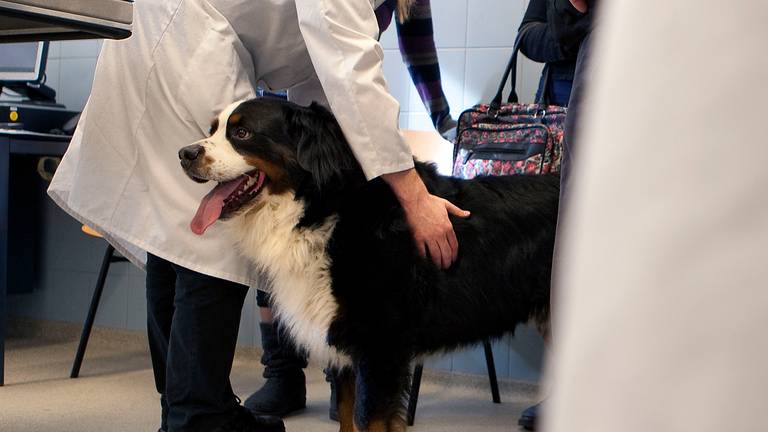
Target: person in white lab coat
<point x="661" y="300"/>
<point x="158" y="91"/>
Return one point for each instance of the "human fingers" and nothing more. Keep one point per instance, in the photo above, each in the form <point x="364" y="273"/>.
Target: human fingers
<point x="454" y="210"/>
<point x="421" y="247"/>
<point x="434" y="253"/>
<point x="453" y="242"/>
<point x="445" y="253"/>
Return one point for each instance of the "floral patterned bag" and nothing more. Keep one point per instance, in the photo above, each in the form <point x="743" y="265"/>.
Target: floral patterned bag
<point x="511" y="138"/>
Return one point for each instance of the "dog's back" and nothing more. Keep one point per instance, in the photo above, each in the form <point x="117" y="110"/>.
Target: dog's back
<point x="390" y="298"/>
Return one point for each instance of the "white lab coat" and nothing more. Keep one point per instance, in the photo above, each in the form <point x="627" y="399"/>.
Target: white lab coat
<point x="159" y="90"/>
<point x="662" y="302"/>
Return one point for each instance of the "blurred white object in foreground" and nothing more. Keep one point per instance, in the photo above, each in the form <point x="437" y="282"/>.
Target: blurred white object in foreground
<point x="662" y="306"/>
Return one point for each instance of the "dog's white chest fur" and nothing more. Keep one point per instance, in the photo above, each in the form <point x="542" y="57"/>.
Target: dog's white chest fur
<point x="298" y="265"/>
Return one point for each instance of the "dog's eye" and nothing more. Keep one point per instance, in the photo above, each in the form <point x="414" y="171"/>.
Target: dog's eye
<point x="241" y="133"/>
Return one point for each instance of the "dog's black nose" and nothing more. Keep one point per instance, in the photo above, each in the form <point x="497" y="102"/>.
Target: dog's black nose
<point x="191" y="152"/>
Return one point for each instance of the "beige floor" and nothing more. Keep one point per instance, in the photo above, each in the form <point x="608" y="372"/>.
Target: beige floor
<point x="116" y="391"/>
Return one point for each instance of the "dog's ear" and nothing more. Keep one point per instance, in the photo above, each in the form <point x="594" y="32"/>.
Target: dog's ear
<point x="322" y="149"/>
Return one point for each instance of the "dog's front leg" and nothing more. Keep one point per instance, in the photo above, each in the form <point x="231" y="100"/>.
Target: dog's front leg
<point x="381" y="383"/>
<point x="398" y="423"/>
<point x="345" y="400"/>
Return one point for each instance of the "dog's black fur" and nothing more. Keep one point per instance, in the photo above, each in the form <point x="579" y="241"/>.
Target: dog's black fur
<point x="394" y="304"/>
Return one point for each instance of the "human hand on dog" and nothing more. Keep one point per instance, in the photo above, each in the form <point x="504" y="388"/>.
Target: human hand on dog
<point x="427" y="215"/>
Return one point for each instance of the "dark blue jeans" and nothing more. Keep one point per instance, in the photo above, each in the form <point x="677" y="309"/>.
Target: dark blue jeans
<point x="581" y="80"/>
<point x="192" y="321"/>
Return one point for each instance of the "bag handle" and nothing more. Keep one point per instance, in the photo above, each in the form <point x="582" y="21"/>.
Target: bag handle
<point x="510" y="72"/>
<point x="545" y="90"/>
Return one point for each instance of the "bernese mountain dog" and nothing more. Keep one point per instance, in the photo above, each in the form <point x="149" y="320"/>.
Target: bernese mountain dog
<point x="347" y="281"/>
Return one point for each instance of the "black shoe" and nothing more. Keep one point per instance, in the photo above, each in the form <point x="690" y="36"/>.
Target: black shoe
<point x="285" y="390"/>
<point x="243" y="421"/>
<point x="529" y="417"/>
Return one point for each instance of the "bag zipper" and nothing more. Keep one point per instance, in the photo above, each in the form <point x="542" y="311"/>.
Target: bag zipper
<point x="498" y="151"/>
<point x="506" y="129"/>
<point x="556" y="110"/>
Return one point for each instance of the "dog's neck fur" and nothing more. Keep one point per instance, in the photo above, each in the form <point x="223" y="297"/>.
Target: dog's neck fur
<point x="330" y="171"/>
<point x="295" y="260"/>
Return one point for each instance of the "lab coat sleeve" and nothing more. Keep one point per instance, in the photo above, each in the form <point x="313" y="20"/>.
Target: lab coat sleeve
<point x="341" y="37"/>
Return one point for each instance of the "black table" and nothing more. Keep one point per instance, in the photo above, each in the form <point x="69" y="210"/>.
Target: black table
<point x="35" y="20"/>
<point x="17" y="143"/>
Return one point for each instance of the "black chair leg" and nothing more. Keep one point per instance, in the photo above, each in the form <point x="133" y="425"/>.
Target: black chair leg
<point x="491" y="371"/>
<point x="92" y="311"/>
<point x="413" y="400"/>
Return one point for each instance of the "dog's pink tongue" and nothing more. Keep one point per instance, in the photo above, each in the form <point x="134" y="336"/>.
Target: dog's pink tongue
<point x="211" y="206"/>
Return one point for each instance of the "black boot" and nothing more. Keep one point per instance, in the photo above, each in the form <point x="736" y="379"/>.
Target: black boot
<point x="333" y="410"/>
<point x="529" y="418"/>
<point x="285" y="390"/>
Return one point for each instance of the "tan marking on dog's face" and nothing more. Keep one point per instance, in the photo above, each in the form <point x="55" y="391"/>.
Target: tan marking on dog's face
<point x="235" y="119"/>
<point x="278" y="178"/>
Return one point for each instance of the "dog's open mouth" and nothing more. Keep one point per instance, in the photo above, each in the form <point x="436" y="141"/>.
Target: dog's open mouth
<point x="225" y="199"/>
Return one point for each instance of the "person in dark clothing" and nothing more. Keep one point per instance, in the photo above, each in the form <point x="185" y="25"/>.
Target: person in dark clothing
<point x="417" y="47"/>
<point x="539" y="43"/>
<point x="579" y="16"/>
<point x="184" y="315"/>
<point x="553" y="32"/>
<point x="558" y="32"/>
<point x="569" y="22"/>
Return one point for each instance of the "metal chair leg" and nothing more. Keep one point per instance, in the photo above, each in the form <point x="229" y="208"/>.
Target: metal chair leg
<point x="491" y="371"/>
<point x="413" y="399"/>
<point x="88" y="326"/>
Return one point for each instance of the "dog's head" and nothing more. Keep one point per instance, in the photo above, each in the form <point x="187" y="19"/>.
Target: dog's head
<point x="265" y="147"/>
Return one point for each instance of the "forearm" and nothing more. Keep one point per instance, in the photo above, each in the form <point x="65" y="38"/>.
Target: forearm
<point x="538" y="43"/>
<point x="417" y="47"/>
<point x="406" y="185"/>
<point x="341" y="39"/>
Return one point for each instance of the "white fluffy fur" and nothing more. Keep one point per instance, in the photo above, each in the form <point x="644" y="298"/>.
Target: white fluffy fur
<point x="298" y="266"/>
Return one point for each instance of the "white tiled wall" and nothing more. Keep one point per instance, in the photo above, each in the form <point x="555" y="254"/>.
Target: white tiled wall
<point x="474" y="40"/>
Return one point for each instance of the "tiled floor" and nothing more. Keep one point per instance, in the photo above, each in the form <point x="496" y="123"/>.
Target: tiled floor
<point x="116" y="391"/>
